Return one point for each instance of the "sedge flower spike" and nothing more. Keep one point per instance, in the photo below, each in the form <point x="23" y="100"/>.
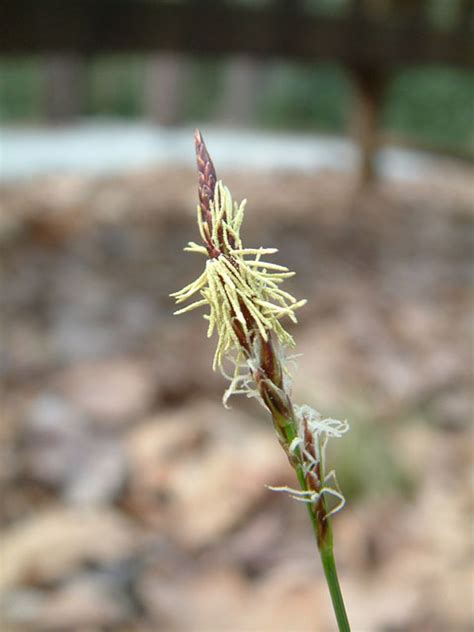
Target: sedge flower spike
<point x="246" y="303"/>
<point x="241" y="289"/>
<point x="246" y="306"/>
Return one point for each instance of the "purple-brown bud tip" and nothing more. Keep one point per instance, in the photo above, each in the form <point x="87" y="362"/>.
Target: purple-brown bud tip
<point x="207" y="176"/>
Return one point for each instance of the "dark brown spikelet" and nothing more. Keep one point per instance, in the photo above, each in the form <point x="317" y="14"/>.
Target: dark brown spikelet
<point x="207" y="177"/>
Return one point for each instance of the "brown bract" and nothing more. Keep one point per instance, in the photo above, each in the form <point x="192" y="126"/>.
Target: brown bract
<point x="207" y="180"/>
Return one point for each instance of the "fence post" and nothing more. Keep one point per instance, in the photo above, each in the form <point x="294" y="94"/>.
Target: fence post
<point x="369" y="85"/>
<point x="165" y="79"/>
<point x="241" y="90"/>
<point x="63" y="88"/>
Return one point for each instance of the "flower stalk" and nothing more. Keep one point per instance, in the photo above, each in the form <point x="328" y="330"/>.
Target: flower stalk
<point x="246" y="306"/>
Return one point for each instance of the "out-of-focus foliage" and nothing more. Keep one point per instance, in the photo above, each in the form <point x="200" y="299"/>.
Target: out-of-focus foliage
<point x="20" y="89"/>
<point x="368" y="462"/>
<point x="432" y="105"/>
<point x="114" y="85"/>
<point x="443" y="13"/>
<point x="306" y="97"/>
<point x="203" y="89"/>
<point x="327" y="7"/>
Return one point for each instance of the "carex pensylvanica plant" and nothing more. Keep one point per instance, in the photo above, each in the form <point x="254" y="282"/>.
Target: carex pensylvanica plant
<point x="246" y="308"/>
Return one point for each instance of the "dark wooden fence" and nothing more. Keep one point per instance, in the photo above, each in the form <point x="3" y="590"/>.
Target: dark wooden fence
<point x="381" y="33"/>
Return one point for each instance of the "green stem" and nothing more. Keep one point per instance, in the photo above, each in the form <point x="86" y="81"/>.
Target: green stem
<point x="322" y="530"/>
<point x="329" y="565"/>
<point x="326" y="551"/>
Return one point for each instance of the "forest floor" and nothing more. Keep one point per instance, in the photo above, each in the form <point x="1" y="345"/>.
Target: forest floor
<point x="132" y="500"/>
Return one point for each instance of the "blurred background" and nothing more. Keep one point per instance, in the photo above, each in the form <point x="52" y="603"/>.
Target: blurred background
<point x="131" y="500"/>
